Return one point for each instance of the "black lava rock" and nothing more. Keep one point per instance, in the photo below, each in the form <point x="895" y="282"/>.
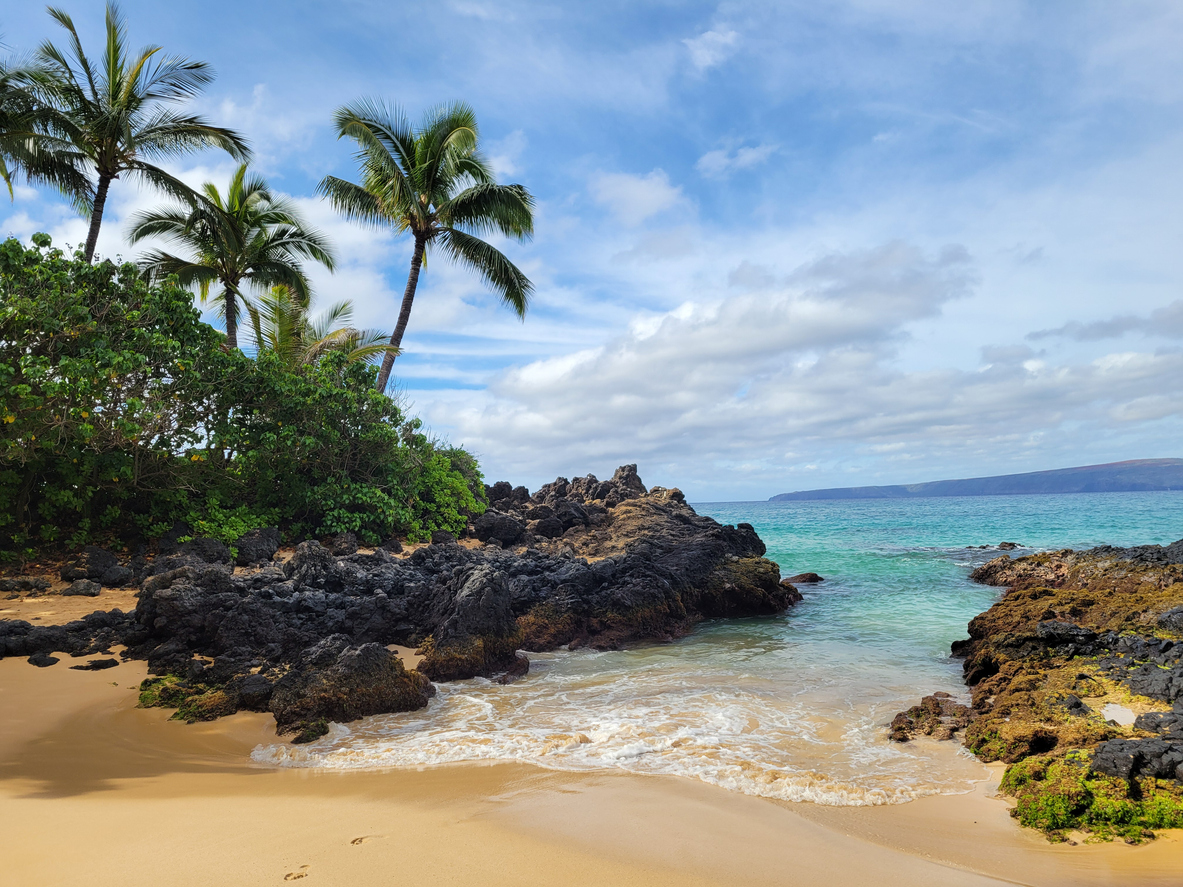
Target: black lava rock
<point x="92" y="563"/>
<point x="82" y="588"/>
<point x="257" y="546"/>
<point x="1130" y="758"/>
<point x="495" y="525"/>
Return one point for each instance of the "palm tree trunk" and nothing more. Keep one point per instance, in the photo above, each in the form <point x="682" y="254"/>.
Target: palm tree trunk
<point x="96" y="216"/>
<point x="230" y="299"/>
<point x="396" y="338"/>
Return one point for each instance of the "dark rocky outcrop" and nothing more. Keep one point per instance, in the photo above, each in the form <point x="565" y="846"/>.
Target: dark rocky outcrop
<point x="496" y="525"/>
<point x="580" y="563"/>
<point x="338" y="682"/>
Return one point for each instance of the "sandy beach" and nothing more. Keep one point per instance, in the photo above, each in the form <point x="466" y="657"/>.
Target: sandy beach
<point x="92" y="786"/>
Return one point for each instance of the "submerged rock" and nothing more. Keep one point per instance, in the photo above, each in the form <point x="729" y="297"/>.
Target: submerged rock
<point x="938" y="715"/>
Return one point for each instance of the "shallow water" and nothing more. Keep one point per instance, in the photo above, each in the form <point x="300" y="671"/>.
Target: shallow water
<point x="791" y="707"/>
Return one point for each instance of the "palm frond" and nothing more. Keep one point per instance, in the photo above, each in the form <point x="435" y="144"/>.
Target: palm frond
<point x="502" y="276"/>
<point x="487" y="208"/>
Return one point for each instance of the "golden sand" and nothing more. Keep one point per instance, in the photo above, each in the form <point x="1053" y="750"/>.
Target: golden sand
<point x="94" y="790"/>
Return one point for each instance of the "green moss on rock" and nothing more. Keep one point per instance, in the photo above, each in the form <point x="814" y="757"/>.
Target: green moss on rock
<point x="1058" y="793"/>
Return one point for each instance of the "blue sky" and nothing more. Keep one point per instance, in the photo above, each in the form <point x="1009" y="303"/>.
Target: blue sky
<point x="779" y="245"/>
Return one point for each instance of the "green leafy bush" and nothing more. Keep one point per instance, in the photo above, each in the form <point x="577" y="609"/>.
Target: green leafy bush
<point x="121" y="412"/>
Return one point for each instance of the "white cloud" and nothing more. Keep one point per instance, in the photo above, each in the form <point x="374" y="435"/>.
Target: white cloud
<point x="505" y="154"/>
<point x="711" y="47"/>
<point x="633" y="199"/>
<point x="720" y="163"/>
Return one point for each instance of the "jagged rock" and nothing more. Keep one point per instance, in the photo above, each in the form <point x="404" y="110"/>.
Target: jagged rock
<point x="92" y="563"/>
<point x="253" y="692"/>
<point x="96" y="665"/>
<point x="629" y="566"/>
<point x="443" y="537"/>
<point x="1130" y="758"/>
<point x="342" y="544"/>
<point x="548" y="527"/>
<point x="257" y="546"/>
<point x="1076" y="622"/>
<point x="208" y="551"/>
<point x="1172" y="620"/>
<point x="43" y="660"/>
<point x="194" y="553"/>
<point x="1008" y="546"/>
<point x="24" y="584"/>
<point x="93" y="633"/>
<point x="1073" y="705"/>
<point x="805" y="579"/>
<point x="393" y="545"/>
<point x="1168" y="724"/>
<point x="117" y="577"/>
<point x="938" y="715"/>
<point x="82" y="588"/>
<point x="1058" y="633"/>
<point x="343" y="683"/>
<point x="495" y="525"/>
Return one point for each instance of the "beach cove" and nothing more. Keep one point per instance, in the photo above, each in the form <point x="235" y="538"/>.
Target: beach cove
<point x="140" y="796"/>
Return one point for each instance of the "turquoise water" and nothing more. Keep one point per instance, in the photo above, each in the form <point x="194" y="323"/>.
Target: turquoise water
<point x="791" y="707"/>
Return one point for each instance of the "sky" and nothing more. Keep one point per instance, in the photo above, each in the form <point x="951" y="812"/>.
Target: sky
<point x="779" y="245"/>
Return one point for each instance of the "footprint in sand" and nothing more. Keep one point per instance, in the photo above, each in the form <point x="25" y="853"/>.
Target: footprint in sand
<point x="302" y="872"/>
<point x="363" y="839"/>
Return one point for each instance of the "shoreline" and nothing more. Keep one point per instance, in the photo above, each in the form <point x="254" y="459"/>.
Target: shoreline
<point x="90" y="783"/>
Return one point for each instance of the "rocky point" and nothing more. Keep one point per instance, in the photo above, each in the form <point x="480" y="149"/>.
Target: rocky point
<point x="1077" y="637"/>
<point x="578" y="563"/>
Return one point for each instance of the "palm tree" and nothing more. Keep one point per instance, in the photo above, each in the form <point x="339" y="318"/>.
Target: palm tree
<point x="249" y="237"/>
<point x="116" y="114"/>
<point x="432" y="183"/>
<point x="283" y="326"/>
<point x="30" y="135"/>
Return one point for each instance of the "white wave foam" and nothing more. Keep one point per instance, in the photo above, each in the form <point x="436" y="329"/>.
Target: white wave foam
<point x="653" y="713"/>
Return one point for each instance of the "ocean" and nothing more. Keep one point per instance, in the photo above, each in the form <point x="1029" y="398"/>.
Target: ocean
<point x="792" y="707"/>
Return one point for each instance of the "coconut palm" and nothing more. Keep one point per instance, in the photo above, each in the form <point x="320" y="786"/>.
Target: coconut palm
<point x="248" y="238"/>
<point x="282" y="326"/>
<point x="116" y="114"/>
<point x="432" y="183"/>
<point x="30" y="135"/>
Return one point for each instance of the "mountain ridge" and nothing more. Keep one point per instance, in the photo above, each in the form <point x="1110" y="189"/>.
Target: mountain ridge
<point x="1134" y="475"/>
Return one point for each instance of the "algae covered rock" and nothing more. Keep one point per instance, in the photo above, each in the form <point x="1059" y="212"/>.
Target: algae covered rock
<point x="1074" y="628"/>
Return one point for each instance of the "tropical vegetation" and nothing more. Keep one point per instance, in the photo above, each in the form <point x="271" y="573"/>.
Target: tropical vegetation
<point x="283" y="327"/>
<point x="248" y="238"/>
<point x="123" y="413"/>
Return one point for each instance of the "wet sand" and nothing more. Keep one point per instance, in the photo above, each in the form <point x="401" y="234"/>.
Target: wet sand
<point x="93" y="789"/>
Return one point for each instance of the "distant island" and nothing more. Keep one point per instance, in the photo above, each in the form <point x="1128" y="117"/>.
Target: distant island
<point x="1136" y="475"/>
